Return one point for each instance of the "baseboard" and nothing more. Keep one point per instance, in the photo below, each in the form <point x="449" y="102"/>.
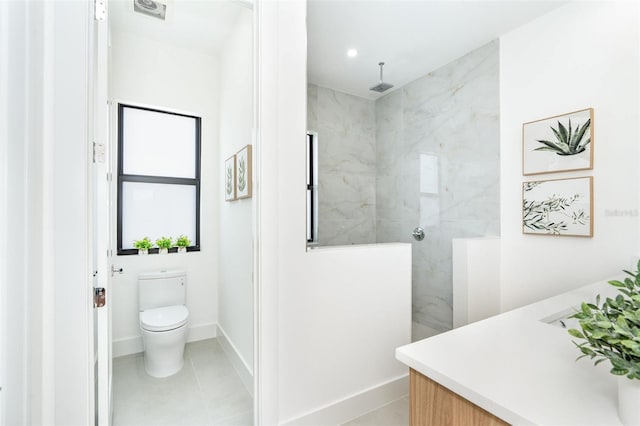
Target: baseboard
<point x="244" y="370"/>
<point x="354" y="406"/>
<point x="133" y="345"/>
<point x="202" y="332"/>
<point x="126" y="346"/>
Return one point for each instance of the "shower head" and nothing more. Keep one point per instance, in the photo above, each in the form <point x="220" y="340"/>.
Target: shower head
<point x="382" y="86"/>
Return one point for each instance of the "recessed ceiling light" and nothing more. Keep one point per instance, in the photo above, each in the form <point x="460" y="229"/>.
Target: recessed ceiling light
<point x="352" y="53"/>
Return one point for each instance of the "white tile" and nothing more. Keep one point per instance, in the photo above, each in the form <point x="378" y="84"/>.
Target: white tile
<point x="205" y="392"/>
<point x="393" y="414"/>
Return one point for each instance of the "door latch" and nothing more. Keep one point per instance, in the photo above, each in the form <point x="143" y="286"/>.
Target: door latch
<point x="115" y="270"/>
<point x="99" y="297"/>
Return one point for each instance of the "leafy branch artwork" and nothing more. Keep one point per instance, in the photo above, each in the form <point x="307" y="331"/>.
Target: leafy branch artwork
<point x="569" y="141"/>
<point x="242" y="175"/>
<point x="537" y="215"/>
<point x="229" y="180"/>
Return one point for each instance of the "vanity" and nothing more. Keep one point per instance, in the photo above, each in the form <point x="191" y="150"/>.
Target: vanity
<point x="517" y="368"/>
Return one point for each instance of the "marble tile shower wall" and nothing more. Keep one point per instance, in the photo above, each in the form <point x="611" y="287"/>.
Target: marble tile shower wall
<point x="437" y="158"/>
<point x="425" y="155"/>
<point x="347" y="165"/>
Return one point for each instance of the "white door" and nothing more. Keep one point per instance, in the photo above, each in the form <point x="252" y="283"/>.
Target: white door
<point x="101" y="255"/>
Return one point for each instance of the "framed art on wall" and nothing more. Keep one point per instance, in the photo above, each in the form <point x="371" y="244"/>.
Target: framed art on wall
<point x="558" y="144"/>
<point x="243" y="173"/>
<point x="230" y="178"/>
<point x="558" y="207"/>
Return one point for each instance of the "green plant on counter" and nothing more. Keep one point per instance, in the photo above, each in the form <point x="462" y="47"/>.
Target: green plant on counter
<point x="164" y="242"/>
<point x="612" y="331"/>
<point x="567" y="141"/>
<point x="143" y="244"/>
<point x="183" y="241"/>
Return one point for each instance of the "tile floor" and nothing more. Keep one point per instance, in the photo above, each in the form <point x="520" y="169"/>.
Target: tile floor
<point x="207" y="391"/>
<point x="393" y="414"/>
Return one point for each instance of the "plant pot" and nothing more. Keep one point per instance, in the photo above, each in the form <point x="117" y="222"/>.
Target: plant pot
<point x="629" y="401"/>
<point x="143" y="252"/>
<point x="163" y="251"/>
<point x="182" y="249"/>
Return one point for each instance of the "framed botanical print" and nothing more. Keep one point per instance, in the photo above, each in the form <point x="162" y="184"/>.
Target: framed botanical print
<point x="558" y="144"/>
<point x="558" y="207"/>
<point x="230" y="178"/>
<point x="243" y="173"/>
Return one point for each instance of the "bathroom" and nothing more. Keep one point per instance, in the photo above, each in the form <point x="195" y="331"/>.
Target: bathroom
<point x="327" y="318"/>
<point x="195" y="60"/>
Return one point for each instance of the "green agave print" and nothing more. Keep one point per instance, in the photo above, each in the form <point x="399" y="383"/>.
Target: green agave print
<point x="229" y="180"/>
<point x="568" y="141"/>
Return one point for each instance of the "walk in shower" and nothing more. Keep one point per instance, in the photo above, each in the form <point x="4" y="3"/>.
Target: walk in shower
<point x="420" y="159"/>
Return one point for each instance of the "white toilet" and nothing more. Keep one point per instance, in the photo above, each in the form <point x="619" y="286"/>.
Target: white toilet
<point x="163" y="321"/>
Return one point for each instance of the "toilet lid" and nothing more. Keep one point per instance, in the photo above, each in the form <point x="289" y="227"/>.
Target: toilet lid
<point x="164" y="319"/>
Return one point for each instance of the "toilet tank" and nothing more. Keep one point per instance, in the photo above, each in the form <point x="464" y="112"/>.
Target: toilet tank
<point x="162" y="288"/>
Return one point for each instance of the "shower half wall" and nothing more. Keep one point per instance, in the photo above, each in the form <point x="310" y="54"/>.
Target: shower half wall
<point x="426" y="154"/>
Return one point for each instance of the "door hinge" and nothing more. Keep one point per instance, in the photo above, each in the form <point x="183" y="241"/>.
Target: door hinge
<point x="100" y="10"/>
<point x="98" y="152"/>
<point x="99" y="297"/>
<point x="108" y="177"/>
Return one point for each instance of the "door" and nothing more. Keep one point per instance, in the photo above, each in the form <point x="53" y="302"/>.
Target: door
<point x="101" y="223"/>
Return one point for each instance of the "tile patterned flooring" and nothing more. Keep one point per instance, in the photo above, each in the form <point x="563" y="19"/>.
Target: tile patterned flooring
<point x="395" y="413"/>
<point x="207" y="391"/>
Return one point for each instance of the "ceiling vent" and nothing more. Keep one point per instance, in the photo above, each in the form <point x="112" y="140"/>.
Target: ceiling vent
<point x="150" y="8"/>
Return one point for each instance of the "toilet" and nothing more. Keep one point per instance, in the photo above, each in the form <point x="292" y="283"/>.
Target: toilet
<point x="163" y="321"/>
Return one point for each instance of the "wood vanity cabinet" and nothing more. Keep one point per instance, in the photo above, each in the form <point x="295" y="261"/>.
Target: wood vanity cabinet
<point x="434" y="405"/>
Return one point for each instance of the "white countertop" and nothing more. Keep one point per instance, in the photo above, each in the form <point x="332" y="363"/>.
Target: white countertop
<point x="520" y="368"/>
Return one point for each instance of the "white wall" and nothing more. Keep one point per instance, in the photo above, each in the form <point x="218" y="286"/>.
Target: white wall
<point x="236" y="218"/>
<point x="45" y="281"/>
<point x="15" y="376"/>
<point x="344" y="310"/>
<point x="584" y="54"/>
<point x="330" y="319"/>
<point x="147" y="72"/>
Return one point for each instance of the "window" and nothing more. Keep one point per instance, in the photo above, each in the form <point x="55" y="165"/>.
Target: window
<point x="158" y="176"/>
<point x="312" y="187"/>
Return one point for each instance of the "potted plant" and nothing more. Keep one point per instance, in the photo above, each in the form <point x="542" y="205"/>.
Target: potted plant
<point x="182" y="243"/>
<point x="143" y="245"/>
<point x="611" y="331"/>
<point x="164" y="244"/>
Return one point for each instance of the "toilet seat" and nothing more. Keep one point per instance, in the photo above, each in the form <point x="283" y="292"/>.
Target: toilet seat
<point x="165" y="318"/>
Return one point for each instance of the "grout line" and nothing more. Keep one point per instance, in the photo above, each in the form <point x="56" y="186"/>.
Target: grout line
<point x="220" y="421"/>
<point x="383" y="407"/>
<point x="200" y="390"/>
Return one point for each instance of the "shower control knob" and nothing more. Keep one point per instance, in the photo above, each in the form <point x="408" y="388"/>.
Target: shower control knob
<point x="418" y="234"/>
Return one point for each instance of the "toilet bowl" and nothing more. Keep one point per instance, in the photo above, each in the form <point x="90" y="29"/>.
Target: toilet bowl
<point x="163" y="321"/>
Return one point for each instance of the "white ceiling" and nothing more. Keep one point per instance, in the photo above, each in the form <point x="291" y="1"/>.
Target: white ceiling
<point x="202" y="25"/>
<point x="413" y="38"/>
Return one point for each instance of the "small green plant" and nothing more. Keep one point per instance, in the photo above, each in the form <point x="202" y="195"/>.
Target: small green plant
<point x="143" y="244"/>
<point x="164" y="242"/>
<point x="183" y="241"/>
<point x="612" y="331"/>
<point x="568" y="141"/>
